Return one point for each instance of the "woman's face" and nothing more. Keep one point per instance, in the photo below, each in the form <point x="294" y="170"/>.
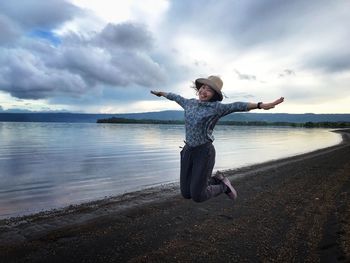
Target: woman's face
<point x="205" y="93"/>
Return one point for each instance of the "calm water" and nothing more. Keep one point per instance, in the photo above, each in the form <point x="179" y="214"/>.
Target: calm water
<point x="51" y="165"/>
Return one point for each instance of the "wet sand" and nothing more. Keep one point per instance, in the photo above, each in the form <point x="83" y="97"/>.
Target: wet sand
<point x="290" y="210"/>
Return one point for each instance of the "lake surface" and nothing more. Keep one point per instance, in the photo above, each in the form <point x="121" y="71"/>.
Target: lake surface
<point x="52" y="165"/>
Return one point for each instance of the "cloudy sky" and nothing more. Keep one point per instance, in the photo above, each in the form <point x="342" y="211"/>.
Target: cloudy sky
<point x="102" y="56"/>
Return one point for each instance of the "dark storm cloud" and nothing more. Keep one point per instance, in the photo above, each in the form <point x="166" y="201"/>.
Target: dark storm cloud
<point x="31" y="14"/>
<point x="246" y="23"/>
<point x="119" y="55"/>
<point x="264" y="22"/>
<point x="25" y="76"/>
<point x="9" y="31"/>
<point x="112" y="67"/>
<point x="273" y="26"/>
<point x="126" y="36"/>
<point x="336" y="61"/>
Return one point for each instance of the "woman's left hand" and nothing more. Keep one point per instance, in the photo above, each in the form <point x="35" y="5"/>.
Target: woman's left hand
<point x="267" y="106"/>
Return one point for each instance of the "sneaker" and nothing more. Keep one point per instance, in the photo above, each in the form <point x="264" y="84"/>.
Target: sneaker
<point x="231" y="192"/>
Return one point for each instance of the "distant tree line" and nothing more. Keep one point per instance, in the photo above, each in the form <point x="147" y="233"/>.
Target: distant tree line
<point x="326" y="124"/>
<point x="291" y="124"/>
<point x="237" y="123"/>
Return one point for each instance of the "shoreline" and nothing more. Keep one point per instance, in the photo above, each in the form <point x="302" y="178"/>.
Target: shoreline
<point x="148" y="213"/>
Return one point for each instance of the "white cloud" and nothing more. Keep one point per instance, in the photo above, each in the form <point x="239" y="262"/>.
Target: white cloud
<point x="147" y="12"/>
<point x="106" y="10"/>
<point x="139" y="106"/>
<point x="116" y="56"/>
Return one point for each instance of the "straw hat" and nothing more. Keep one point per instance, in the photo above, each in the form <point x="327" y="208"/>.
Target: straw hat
<point x="212" y="81"/>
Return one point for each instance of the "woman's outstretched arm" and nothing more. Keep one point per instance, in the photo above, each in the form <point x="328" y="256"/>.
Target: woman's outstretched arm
<point x="171" y="96"/>
<point x="265" y="106"/>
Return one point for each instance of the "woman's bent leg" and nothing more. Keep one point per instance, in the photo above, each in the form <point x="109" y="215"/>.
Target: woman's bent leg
<point x="185" y="172"/>
<point x="203" y="164"/>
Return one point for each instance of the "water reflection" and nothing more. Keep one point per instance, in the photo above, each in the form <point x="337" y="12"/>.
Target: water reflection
<point x="255" y="145"/>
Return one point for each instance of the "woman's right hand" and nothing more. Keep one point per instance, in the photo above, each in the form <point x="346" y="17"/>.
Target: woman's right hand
<point x="157" y="93"/>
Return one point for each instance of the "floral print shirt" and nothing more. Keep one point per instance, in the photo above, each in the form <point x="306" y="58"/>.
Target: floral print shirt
<point x="201" y="117"/>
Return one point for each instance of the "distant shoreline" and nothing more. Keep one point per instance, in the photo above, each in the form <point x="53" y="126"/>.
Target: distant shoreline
<point x="115" y="120"/>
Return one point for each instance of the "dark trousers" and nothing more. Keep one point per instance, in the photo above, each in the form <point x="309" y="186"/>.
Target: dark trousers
<point x="197" y="165"/>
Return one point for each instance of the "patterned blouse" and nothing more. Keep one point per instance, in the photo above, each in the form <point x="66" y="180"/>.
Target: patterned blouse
<point x="201" y="117"/>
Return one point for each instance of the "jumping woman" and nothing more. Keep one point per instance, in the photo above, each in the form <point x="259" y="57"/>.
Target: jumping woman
<point x="198" y="154"/>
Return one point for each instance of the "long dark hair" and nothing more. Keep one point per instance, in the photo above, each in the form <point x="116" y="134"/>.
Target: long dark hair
<point x="216" y="97"/>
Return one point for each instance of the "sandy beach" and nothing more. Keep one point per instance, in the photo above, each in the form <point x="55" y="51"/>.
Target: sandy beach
<point x="290" y="210"/>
